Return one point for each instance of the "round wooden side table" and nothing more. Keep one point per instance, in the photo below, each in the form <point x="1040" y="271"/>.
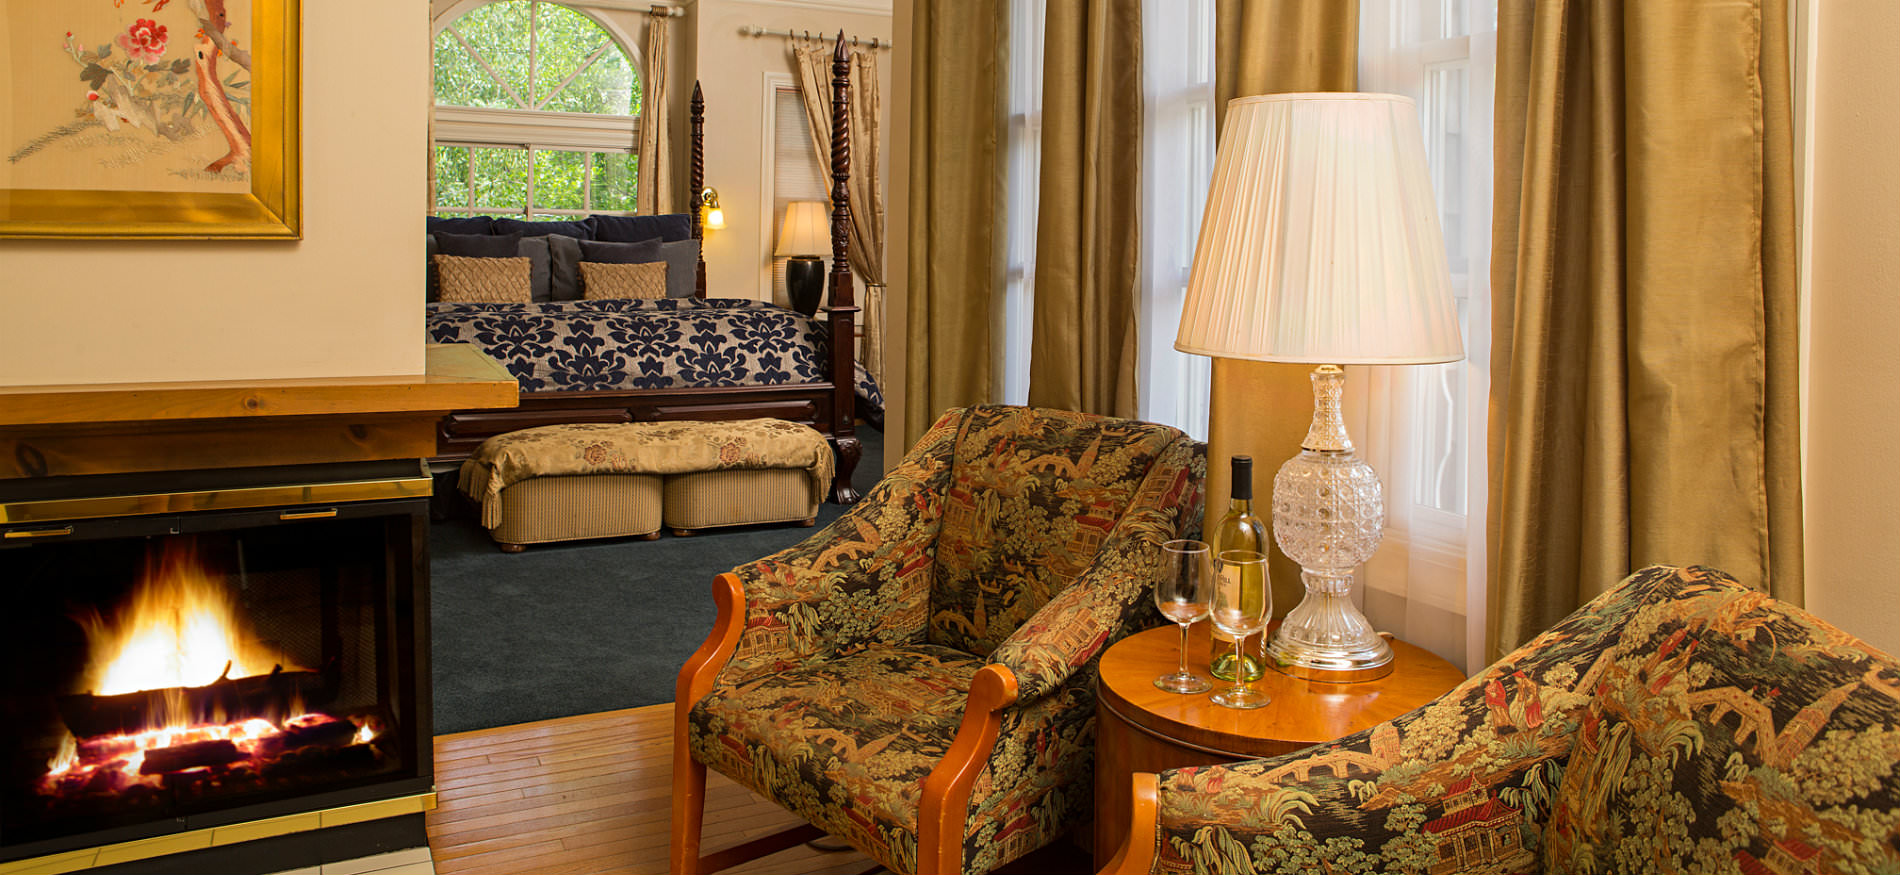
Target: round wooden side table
<point x="1140" y="728"/>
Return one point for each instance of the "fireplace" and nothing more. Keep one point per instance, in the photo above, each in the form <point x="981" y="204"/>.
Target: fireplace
<point x="185" y="650"/>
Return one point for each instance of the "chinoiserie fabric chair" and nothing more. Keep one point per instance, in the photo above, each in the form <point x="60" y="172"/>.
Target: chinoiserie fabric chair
<point x="1680" y="722"/>
<point x="917" y="678"/>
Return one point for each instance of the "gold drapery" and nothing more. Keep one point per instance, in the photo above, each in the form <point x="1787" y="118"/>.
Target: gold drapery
<point x="1258" y="408"/>
<point x="865" y="247"/>
<point x="1083" y="339"/>
<point x="955" y="235"/>
<point x="653" y="193"/>
<point x="1643" y="391"/>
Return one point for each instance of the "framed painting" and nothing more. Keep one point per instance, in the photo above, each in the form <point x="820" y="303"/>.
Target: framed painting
<point x="161" y="119"/>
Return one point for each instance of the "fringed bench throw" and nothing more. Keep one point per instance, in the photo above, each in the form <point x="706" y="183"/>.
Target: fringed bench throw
<point x="713" y="471"/>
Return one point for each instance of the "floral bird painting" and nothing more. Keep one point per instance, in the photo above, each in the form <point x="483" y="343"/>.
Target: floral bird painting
<point x="132" y="95"/>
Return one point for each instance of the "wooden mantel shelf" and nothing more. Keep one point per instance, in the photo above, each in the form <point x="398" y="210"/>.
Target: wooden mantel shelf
<point x="456" y="377"/>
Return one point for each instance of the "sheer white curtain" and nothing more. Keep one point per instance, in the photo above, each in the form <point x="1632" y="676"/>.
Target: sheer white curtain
<point x="1423" y="428"/>
<point x="1021" y="184"/>
<point x="1177" y="160"/>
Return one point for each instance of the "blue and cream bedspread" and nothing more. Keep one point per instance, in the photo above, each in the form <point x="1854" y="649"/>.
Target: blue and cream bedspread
<point x="676" y="343"/>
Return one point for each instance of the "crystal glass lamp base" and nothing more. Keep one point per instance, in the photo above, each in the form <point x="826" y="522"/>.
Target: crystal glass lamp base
<point x="1326" y="638"/>
<point x="1328" y="514"/>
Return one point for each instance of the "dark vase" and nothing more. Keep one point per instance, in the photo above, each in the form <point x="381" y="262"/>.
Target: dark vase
<point x="805" y="282"/>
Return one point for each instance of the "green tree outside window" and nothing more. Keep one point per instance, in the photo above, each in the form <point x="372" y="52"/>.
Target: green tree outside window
<point x="554" y="69"/>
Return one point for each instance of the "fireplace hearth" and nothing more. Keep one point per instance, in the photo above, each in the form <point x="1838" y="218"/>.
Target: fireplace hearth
<point x="186" y="650"/>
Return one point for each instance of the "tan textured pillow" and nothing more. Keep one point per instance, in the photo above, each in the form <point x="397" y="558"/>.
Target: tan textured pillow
<point x="465" y="280"/>
<point x="641" y="282"/>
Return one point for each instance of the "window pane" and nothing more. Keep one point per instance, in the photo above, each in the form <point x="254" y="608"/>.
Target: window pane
<point x="500" y="32"/>
<point x="459" y="81"/>
<point x="451" y="176"/>
<point x="566" y="40"/>
<point x="557" y="180"/>
<point x="1444" y="121"/>
<point x="607" y="86"/>
<point x="501" y="179"/>
<point x="615" y="177"/>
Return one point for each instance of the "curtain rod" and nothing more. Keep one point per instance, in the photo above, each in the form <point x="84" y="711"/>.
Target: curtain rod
<point x="755" y="30"/>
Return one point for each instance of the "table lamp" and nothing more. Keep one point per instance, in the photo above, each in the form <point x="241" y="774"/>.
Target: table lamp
<point x="1320" y="244"/>
<point x="805" y="234"/>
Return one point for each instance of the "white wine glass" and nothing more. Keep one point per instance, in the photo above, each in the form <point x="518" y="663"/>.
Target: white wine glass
<point x="1182" y="589"/>
<point x="1240" y="607"/>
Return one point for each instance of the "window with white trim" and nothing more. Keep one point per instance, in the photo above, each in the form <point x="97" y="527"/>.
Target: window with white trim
<point x="1423" y="427"/>
<point x="1015" y="317"/>
<point x="536" y="113"/>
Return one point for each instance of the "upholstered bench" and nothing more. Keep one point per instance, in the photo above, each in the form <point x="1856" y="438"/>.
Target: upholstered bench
<point x="590" y="480"/>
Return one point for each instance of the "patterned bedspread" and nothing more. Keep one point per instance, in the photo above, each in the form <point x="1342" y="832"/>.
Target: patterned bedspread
<point x="675" y="343"/>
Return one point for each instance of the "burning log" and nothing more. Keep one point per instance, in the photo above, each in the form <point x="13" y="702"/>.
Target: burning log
<point x="328" y="733"/>
<point x="272" y="697"/>
<point x="190" y="755"/>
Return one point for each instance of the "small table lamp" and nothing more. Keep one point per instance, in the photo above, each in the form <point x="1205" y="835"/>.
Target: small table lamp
<point x="1320" y="244"/>
<point x="804" y="234"/>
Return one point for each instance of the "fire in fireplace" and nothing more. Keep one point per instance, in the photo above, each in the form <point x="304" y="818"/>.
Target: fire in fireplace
<point x="173" y="671"/>
<point x="181" y="692"/>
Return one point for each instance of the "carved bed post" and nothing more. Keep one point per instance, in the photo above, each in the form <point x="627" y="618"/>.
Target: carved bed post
<point x="843" y="311"/>
<point x="696" y="181"/>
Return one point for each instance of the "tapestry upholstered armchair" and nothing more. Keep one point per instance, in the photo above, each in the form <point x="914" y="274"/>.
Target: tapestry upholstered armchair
<point x="917" y="678"/>
<point x="1678" y="723"/>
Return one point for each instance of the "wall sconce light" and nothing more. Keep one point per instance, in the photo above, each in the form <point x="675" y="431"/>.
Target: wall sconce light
<point x="715" y="217"/>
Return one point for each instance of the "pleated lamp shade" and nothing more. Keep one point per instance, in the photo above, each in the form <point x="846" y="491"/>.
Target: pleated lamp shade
<point x="806" y="229"/>
<point x="1320" y="243"/>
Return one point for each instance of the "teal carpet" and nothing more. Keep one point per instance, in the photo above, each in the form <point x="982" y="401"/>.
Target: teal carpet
<point x="577" y="628"/>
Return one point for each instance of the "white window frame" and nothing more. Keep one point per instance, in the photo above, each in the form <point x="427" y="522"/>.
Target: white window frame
<point x="533" y="130"/>
<point x="1013" y="320"/>
<point x="1433" y="554"/>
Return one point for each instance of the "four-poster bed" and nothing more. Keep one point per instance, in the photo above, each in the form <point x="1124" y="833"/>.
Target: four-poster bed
<point x="828" y="403"/>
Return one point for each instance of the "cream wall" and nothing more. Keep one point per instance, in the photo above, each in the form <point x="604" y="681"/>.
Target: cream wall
<point x="344" y="301"/>
<point x="732" y="73"/>
<point x="1853" y="470"/>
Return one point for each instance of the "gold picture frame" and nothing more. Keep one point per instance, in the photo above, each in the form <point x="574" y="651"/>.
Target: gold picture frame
<point x="272" y="208"/>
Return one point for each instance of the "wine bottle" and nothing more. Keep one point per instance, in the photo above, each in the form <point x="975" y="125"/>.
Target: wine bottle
<point x="1240" y="530"/>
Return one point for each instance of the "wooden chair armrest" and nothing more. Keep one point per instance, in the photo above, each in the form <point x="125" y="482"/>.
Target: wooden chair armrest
<point x="1137" y="853"/>
<point x="945" y="801"/>
<point x="697" y="675"/>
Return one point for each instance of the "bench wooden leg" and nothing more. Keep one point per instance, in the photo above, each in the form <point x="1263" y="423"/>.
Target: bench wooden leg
<point x="684" y="533"/>
<point x="651" y="536"/>
<point x="512" y="548"/>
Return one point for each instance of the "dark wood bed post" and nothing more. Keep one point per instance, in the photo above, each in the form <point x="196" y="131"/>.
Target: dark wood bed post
<point x="696" y="180"/>
<point x="843" y="311"/>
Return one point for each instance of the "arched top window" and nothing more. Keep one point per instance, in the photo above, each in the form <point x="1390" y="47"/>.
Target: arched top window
<point x="536" y="113"/>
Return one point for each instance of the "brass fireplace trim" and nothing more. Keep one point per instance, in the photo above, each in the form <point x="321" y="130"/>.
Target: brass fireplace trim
<point x="218" y="836"/>
<point x="101" y="507"/>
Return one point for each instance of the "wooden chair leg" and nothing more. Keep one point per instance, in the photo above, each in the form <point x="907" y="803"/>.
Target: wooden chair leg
<point x="689" y="809"/>
<point x="512" y="548"/>
<point x="695" y="680"/>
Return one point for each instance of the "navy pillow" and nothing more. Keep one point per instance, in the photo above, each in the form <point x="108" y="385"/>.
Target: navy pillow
<point x="461" y="224"/>
<point x="478" y="245"/>
<point x="621" y="253"/>
<point x="537" y="229"/>
<point x="633" y="229"/>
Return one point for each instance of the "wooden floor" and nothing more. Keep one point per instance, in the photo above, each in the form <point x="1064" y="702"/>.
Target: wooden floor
<point x="594" y="793"/>
<point x="589" y="794"/>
